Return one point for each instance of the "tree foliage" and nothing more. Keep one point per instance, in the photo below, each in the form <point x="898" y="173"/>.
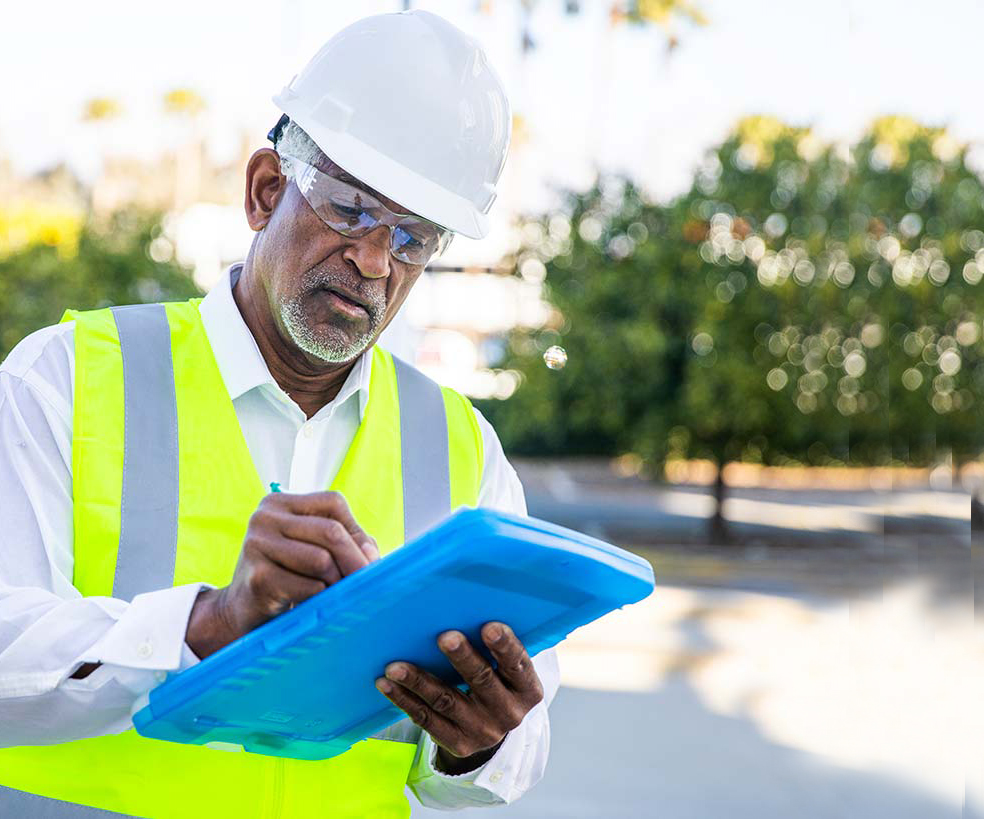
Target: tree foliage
<point x="104" y="266"/>
<point x="803" y="302"/>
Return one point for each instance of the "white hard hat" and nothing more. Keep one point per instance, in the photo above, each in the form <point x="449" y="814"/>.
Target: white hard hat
<point x="408" y="104"/>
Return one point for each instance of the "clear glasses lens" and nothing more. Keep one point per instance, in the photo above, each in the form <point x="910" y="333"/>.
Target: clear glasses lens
<point x="353" y="212"/>
<point x="415" y="241"/>
<point x="348" y="212"/>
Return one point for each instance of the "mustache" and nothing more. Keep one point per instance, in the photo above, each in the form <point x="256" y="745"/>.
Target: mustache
<point x="327" y="277"/>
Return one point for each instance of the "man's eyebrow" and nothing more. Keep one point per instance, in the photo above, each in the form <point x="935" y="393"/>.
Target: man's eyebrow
<point x="345" y="176"/>
<point x="339" y="173"/>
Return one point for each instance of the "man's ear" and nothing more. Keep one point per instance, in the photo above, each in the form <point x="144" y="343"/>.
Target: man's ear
<point x="265" y="185"/>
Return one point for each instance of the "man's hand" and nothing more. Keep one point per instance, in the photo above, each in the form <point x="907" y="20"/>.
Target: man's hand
<point x="468" y="728"/>
<point x="295" y="547"/>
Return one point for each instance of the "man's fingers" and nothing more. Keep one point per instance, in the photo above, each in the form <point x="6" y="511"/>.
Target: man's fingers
<point x="480" y="718"/>
<point x="369" y="548"/>
<point x="513" y="662"/>
<point x="447" y="701"/>
<point x="274" y="588"/>
<point x="439" y="727"/>
<point x="473" y="668"/>
<point x="329" y="534"/>
<point x="331" y="505"/>
<point x="305" y="558"/>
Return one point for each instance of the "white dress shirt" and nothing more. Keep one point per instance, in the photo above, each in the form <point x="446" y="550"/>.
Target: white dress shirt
<point x="47" y="629"/>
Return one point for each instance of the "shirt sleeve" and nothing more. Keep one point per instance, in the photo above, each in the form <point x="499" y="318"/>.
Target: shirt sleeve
<point x="47" y="629"/>
<point x="522" y="758"/>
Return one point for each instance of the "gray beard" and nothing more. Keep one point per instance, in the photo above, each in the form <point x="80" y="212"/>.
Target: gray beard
<point x="334" y="346"/>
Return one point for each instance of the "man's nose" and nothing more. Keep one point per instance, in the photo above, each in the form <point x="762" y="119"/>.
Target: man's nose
<point x="371" y="253"/>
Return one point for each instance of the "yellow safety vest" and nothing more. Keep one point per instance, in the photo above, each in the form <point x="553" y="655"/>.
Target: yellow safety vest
<point x="209" y="500"/>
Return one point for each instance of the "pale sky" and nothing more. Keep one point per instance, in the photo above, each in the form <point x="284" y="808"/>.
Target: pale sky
<point x="593" y="96"/>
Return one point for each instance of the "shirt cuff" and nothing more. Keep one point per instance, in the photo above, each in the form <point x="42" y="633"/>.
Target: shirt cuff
<point x="514" y="769"/>
<point x="150" y="634"/>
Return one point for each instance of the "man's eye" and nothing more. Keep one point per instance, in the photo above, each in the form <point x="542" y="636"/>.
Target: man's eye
<point x="347" y="210"/>
<point x="408" y="240"/>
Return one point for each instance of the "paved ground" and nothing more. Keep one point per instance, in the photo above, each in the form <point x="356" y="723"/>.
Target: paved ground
<point x="630" y="756"/>
<point x="802" y="542"/>
<point x="715" y="703"/>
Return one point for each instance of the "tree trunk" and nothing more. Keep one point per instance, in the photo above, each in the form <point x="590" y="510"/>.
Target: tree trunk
<point x="976" y="518"/>
<point x="718" y="528"/>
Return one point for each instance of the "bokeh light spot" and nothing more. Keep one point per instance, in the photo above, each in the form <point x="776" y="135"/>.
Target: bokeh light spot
<point x="555" y="357"/>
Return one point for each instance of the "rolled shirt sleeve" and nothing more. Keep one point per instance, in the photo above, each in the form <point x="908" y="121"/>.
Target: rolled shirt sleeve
<point x="136" y="644"/>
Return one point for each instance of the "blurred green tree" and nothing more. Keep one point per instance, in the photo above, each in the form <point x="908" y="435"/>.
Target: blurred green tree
<point x="924" y="256"/>
<point x="110" y="265"/>
<point x="802" y="303"/>
<point x="623" y="316"/>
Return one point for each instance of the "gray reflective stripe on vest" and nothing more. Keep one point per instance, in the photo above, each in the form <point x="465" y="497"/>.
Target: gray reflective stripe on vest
<point x="424" y="445"/>
<point x="18" y="804"/>
<point x="149" y="504"/>
<point x="402" y="731"/>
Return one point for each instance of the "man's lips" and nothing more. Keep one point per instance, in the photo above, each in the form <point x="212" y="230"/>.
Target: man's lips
<point x="346" y="301"/>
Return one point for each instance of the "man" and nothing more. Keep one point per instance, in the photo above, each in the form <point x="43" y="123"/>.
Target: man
<point x="136" y="445"/>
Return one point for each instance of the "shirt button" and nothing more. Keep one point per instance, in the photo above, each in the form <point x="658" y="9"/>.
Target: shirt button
<point x="308" y="432"/>
<point x="496" y="777"/>
<point x="160" y="676"/>
<point x="145" y="649"/>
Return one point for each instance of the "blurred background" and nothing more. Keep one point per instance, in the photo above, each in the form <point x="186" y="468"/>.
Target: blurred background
<point x="729" y="317"/>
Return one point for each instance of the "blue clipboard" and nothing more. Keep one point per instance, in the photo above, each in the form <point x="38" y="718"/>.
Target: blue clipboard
<point x="302" y="685"/>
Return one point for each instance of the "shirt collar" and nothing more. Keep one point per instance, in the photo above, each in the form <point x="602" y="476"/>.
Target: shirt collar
<point x="238" y="357"/>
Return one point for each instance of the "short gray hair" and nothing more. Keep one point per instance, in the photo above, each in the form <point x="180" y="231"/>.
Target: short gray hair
<point x="295" y="142"/>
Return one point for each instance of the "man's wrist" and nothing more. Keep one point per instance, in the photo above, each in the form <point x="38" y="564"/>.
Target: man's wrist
<point x="207" y="630"/>
<point x="448" y="763"/>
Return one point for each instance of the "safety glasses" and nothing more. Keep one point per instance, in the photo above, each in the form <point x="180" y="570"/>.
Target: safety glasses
<point x="352" y="212"/>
